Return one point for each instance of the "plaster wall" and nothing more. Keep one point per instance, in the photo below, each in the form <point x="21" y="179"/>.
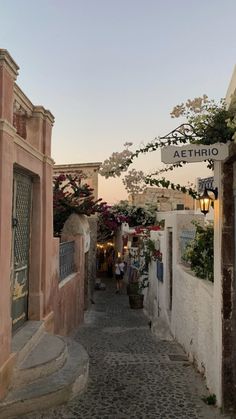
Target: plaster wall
<point x="23" y="153"/>
<point x="194" y="319"/>
<point x="67" y="296"/>
<point x="87" y="227"/>
<point x="175" y="222"/>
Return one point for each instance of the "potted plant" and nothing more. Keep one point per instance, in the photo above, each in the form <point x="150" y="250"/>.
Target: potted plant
<point x="147" y="253"/>
<point x="136" y="288"/>
<point x="136" y="297"/>
<point x="133" y="288"/>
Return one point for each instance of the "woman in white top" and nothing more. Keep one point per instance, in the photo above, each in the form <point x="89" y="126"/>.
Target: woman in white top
<point x="118" y="275"/>
<point x="122" y="269"/>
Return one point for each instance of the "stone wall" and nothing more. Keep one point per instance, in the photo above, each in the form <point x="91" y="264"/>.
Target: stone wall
<point x="228" y="282"/>
<point x="226" y="172"/>
<point x="163" y="199"/>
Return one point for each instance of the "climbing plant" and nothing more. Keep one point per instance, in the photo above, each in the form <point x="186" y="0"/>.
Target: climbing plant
<point x="207" y="122"/>
<point x="200" y="252"/>
<point x="71" y="194"/>
<point x="136" y="215"/>
<point x="134" y="182"/>
<point x="110" y="218"/>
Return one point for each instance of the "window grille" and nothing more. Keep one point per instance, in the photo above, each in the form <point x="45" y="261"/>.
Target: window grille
<point x="67" y="252"/>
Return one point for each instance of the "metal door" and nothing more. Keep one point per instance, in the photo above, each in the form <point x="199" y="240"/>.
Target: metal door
<point x="22" y="192"/>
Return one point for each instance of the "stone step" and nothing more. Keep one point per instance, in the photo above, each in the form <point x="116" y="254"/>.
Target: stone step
<point x="47" y="356"/>
<point x="26" y="338"/>
<point x="54" y="389"/>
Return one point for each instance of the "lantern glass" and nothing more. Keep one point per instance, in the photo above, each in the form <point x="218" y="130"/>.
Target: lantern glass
<point x="204" y="202"/>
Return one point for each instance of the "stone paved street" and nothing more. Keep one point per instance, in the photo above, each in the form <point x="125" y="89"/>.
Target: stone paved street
<point x="133" y="375"/>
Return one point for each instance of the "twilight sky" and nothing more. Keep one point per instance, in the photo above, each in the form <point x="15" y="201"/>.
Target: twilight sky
<point x="111" y="71"/>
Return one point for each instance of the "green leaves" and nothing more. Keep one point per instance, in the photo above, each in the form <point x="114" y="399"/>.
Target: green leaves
<point x="200" y="252"/>
<point x="207" y="122"/>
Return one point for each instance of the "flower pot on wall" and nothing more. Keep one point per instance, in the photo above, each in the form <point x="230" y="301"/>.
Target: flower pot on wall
<point x="136" y="301"/>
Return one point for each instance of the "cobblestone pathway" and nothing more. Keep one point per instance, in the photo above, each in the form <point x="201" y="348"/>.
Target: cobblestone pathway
<point x="132" y="374"/>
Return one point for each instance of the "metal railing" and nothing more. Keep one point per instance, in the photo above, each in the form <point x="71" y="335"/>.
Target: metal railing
<point x="185" y="237"/>
<point x="66" y="264"/>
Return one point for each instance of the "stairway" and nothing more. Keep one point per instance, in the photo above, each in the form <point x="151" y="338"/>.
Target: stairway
<point x="50" y="370"/>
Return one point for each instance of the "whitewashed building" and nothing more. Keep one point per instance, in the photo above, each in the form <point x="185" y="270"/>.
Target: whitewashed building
<point x="199" y="314"/>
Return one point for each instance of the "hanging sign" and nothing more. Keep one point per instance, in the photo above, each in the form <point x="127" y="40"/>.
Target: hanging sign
<point x="207" y="182"/>
<point x="194" y="153"/>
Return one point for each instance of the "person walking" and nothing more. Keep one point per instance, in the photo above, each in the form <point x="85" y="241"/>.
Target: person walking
<point x="118" y="275"/>
<point x="122" y="269"/>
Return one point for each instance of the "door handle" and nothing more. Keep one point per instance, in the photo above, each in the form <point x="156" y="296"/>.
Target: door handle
<point x="14" y="222"/>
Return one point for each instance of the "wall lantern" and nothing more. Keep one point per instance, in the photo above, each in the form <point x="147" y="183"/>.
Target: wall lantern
<point x="205" y="200"/>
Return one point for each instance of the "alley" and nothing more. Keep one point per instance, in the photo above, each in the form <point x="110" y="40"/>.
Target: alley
<point x="133" y="375"/>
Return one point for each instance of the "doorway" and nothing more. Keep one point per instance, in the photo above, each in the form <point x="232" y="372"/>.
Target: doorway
<point x="21" y="223"/>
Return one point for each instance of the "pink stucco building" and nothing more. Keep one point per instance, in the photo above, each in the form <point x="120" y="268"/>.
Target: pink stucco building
<point x="29" y="254"/>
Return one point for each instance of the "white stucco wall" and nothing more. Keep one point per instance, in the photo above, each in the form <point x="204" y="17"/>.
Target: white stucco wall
<point x="195" y="320"/>
<point x="192" y="320"/>
<point x="155" y="289"/>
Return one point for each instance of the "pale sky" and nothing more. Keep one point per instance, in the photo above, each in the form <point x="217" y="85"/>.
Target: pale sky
<point x="111" y="71"/>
